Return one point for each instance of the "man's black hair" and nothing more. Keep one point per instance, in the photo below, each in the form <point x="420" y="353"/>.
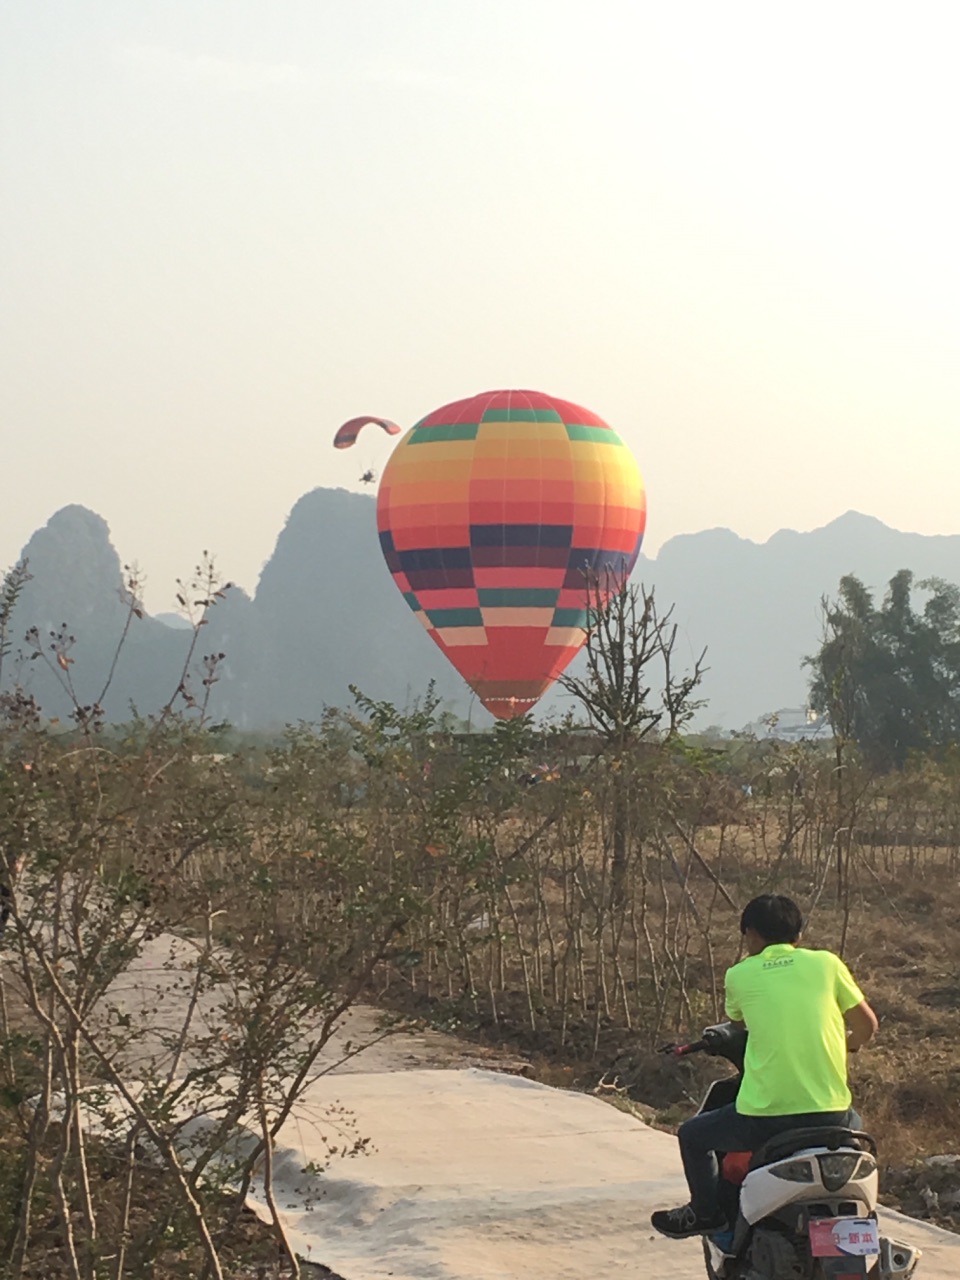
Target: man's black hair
<point x="774" y="917"/>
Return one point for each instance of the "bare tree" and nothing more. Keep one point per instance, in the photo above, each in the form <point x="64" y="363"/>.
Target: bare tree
<point x="630" y="649"/>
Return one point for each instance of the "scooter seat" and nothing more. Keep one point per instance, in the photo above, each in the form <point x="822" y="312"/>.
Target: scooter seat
<point x="735" y="1166"/>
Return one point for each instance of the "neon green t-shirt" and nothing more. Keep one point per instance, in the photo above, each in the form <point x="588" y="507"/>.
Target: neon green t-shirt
<point x="792" y="1001"/>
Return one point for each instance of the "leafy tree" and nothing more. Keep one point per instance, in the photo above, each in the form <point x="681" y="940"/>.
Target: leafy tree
<point x="888" y="677"/>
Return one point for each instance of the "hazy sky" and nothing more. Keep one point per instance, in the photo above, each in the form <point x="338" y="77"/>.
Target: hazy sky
<point x="227" y="225"/>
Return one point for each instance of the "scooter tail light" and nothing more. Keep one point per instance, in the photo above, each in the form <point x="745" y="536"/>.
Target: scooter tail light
<point x="793" y="1171"/>
<point x="865" y="1168"/>
<point x="838" y="1168"/>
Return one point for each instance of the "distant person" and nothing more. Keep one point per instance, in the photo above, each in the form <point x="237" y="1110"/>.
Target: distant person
<point x="804" y="1013"/>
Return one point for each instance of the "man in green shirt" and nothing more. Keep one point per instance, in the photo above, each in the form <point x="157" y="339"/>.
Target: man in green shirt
<point x="804" y="1013"/>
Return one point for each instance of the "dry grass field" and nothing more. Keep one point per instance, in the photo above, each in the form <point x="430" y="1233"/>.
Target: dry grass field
<point x="576" y="921"/>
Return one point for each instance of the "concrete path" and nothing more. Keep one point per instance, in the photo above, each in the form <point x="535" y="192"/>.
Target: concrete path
<point x="474" y="1174"/>
<point x="477" y="1175"/>
<point x="153" y="994"/>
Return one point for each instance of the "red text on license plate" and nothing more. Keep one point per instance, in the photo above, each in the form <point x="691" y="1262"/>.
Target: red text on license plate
<point x="844" y="1238"/>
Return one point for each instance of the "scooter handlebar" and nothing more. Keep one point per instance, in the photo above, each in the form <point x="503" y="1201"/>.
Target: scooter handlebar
<point x="724" y="1040"/>
<point x="682" y="1050"/>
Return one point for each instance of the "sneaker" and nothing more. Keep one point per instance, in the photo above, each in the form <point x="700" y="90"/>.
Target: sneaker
<point x="683" y="1222"/>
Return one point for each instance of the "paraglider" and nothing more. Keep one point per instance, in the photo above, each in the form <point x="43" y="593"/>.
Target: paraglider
<point x="500" y="517"/>
<point x="346" y="437"/>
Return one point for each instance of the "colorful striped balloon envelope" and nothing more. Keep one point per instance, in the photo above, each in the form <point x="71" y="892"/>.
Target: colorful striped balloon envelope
<point x="500" y="517"/>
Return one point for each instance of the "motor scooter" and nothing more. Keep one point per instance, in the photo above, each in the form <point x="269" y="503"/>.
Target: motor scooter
<point x="804" y="1205"/>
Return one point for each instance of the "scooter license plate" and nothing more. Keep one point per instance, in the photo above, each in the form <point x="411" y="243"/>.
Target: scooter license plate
<point x="844" y="1238"/>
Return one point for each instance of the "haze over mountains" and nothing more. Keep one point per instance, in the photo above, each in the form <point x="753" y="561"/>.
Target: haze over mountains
<point x="326" y="614"/>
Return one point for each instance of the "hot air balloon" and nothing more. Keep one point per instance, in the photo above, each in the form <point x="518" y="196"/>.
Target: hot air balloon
<point x="496" y="514"/>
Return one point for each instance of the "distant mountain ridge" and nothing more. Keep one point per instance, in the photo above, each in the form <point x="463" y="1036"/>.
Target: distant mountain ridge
<point x="326" y="615"/>
<point x="757" y="606"/>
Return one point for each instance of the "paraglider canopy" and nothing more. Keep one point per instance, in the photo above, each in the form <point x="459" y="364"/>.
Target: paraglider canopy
<point x="347" y="435"/>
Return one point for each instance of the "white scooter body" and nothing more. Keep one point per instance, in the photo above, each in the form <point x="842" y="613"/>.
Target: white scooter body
<point x="799" y="1180"/>
<point x="807" y="1187"/>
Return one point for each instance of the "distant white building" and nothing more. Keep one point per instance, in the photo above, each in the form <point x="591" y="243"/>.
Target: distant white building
<point x="791" y="724"/>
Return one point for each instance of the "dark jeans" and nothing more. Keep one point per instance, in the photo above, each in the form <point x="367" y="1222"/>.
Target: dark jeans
<point x="726" y="1130"/>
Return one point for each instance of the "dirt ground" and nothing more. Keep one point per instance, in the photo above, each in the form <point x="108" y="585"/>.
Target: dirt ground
<point x="907" y="1085"/>
<point x="906" y="956"/>
<point x="903" y="946"/>
<point x="902" y="942"/>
